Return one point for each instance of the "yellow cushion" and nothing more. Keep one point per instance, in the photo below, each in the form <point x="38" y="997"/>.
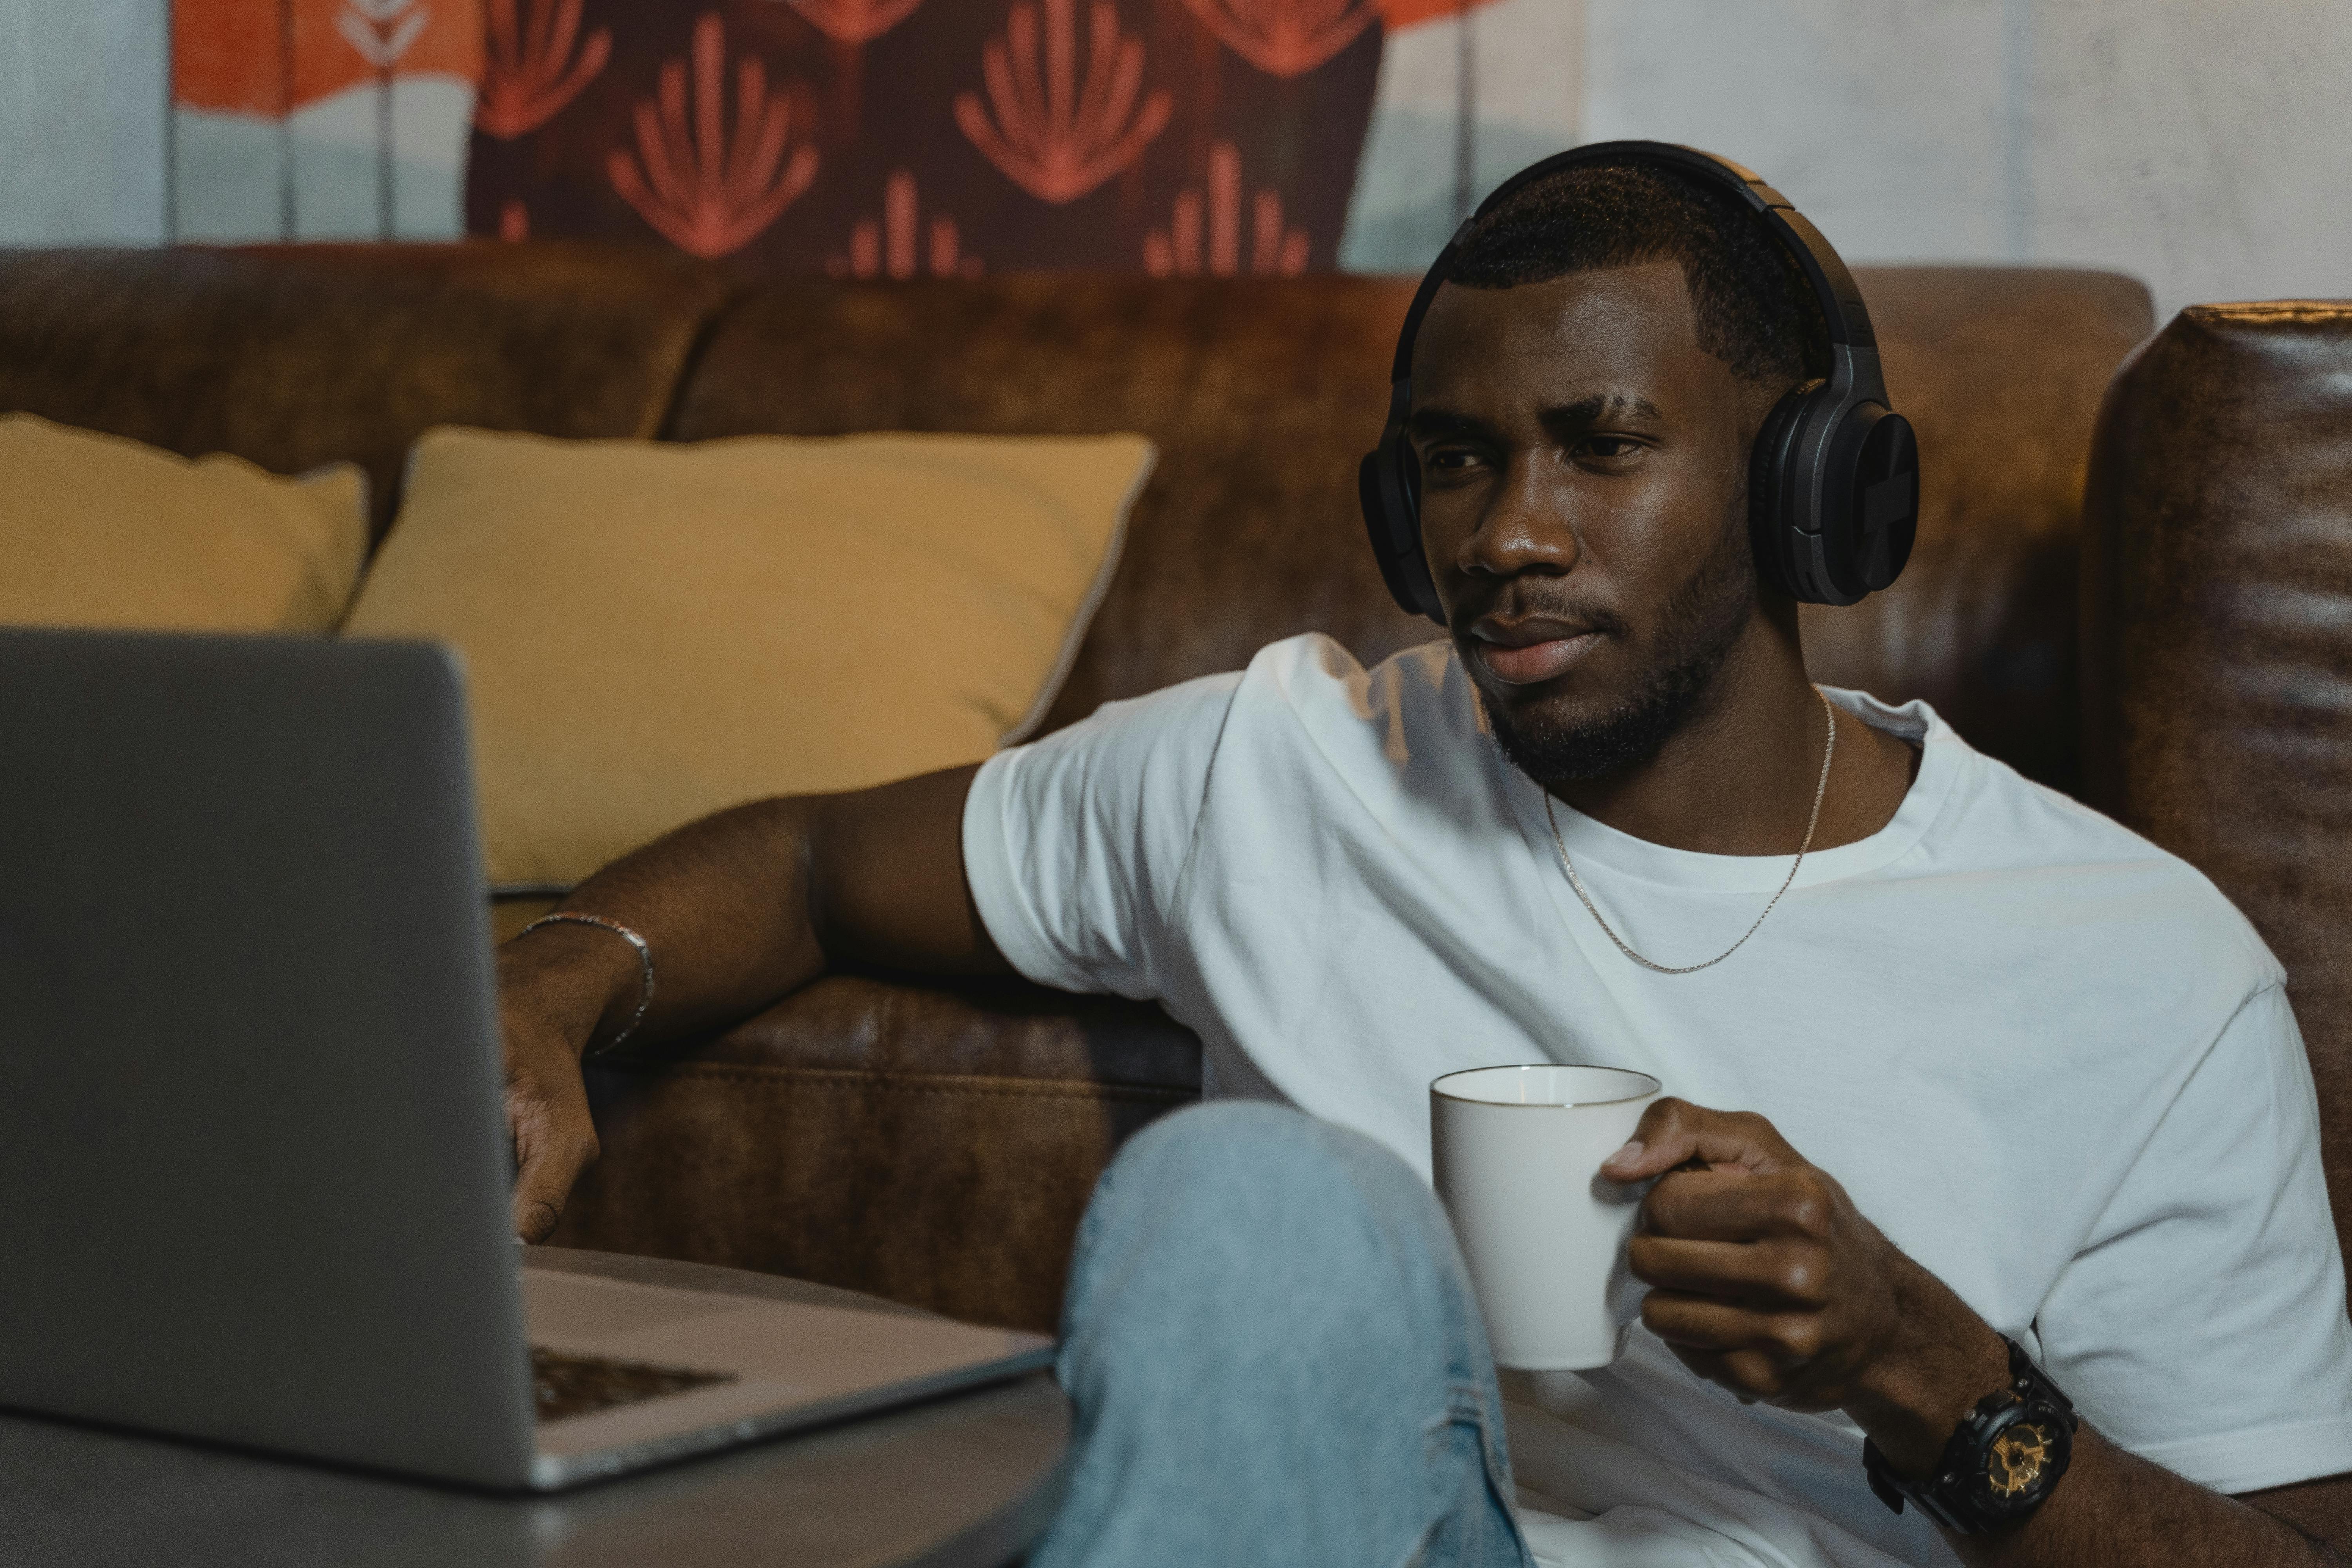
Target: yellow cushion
<point x="96" y="531"/>
<point x="655" y="630"/>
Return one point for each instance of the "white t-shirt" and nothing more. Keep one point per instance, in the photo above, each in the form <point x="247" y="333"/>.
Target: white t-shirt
<point x="2049" y="1060"/>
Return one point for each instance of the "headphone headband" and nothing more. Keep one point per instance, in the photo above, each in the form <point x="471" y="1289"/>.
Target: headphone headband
<point x="1834" y="481"/>
<point x="1847" y="318"/>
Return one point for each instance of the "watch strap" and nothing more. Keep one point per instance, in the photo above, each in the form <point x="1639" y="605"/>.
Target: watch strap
<point x="1955" y="1494"/>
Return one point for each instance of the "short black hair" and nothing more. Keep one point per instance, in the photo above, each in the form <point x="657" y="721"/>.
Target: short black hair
<point x="1754" y="309"/>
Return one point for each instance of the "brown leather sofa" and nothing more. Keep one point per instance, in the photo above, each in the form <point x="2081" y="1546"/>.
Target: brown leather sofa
<point x="2218" y="642"/>
<point x="935" y="1144"/>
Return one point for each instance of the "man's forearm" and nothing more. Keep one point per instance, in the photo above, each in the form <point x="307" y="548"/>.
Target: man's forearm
<point x="737" y="910"/>
<point x="746" y="905"/>
<point x="2115" y="1510"/>
<point x="2111" y="1509"/>
<point x="723" y="904"/>
<point x="1769" y="1282"/>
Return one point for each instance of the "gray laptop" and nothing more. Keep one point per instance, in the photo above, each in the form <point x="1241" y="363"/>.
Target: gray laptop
<point x="253" y="1167"/>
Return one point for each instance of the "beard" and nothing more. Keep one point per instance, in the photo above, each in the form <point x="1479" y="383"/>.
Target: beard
<point x="1696" y="628"/>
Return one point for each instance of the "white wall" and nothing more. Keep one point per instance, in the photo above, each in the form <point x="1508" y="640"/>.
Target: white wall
<point x="236" y="183"/>
<point x="1525" y="62"/>
<point x="84" y="143"/>
<point x="2203" y="145"/>
<point x="2199" y="144"/>
<point x="82" y="91"/>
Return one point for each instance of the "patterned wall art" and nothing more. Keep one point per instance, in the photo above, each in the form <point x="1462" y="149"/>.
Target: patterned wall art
<point x="933" y="136"/>
<point x="322" y="119"/>
<point x="862" y="138"/>
<point x="2191" y="144"/>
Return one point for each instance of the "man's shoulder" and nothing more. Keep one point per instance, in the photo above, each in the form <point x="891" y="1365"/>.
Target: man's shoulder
<point x="1301" y="694"/>
<point x="1413" y="712"/>
<point x="1311" y="731"/>
<point x="1318" y="662"/>
<point x="2000" y="820"/>
<point x="1316" y="677"/>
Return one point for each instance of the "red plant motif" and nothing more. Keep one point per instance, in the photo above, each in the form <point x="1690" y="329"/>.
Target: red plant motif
<point x="854" y="21"/>
<point x="888" y="247"/>
<point x="708" y="197"/>
<point x="1177" y="251"/>
<point x="1285" y="38"/>
<point x="528" y="71"/>
<point x="1052" y="137"/>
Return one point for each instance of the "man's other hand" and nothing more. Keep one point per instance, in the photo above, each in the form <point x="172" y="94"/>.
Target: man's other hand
<point x="554" y="987"/>
<point x="1768" y="1280"/>
<point x="739" y="908"/>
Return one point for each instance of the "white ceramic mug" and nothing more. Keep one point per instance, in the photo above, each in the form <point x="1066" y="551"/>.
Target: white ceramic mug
<point x="1518" y="1153"/>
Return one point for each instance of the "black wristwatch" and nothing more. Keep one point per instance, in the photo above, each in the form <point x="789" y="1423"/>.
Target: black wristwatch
<point x="2003" y="1460"/>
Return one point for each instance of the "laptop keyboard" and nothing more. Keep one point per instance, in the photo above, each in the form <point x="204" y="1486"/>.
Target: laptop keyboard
<point x="563" y="1385"/>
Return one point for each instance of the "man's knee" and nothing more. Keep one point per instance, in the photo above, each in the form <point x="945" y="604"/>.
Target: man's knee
<point x="1255" y="1288"/>
<point x="1245" y="1157"/>
<point x="1245" y="1188"/>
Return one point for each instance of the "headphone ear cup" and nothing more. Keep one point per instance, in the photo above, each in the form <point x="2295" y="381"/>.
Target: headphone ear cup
<point x="1883" y="513"/>
<point x="1771" y="499"/>
<point x="1388" y="487"/>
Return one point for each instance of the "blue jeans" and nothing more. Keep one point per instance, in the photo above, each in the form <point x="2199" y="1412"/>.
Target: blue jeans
<point x="1275" y="1358"/>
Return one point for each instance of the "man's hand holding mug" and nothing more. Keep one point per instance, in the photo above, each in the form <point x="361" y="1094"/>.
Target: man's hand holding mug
<point x="1766" y="1280"/>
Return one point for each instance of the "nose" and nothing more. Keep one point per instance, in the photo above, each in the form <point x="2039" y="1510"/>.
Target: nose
<point x="1521" y="529"/>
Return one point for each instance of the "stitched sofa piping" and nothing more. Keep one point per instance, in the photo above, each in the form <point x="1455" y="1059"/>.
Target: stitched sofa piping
<point x="928" y="1083"/>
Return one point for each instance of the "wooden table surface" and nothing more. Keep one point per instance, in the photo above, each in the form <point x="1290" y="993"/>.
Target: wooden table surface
<point x="968" y="1481"/>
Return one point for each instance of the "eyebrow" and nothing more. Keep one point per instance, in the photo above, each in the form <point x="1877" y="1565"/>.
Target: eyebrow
<point x="1433" y="421"/>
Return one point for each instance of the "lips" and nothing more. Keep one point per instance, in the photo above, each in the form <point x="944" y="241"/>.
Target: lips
<point x="1524" y="653"/>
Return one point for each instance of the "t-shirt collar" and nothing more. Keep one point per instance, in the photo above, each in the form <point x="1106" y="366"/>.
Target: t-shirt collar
<point x="1943" y="756"/>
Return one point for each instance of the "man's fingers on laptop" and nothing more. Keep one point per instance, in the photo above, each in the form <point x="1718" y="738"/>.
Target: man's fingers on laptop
<point x="555" y="1140"/>
<point x="534" y="1218"/>
<point x="542" y="1185"/>
<point x="1674" y="1132"/>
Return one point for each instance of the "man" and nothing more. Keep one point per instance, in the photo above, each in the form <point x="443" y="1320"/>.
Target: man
<point x="2049" y="1077"/>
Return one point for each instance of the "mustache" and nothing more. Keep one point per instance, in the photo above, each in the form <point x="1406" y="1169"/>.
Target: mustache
<point x="1518" y="601"/>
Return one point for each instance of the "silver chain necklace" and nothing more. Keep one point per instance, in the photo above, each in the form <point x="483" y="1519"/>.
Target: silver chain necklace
<point x="1820" y="790"/>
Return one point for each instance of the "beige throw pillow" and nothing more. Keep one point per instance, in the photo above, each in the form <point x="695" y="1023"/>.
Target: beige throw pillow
<point x="653" y="630"/>
<point x="97" y="530"/>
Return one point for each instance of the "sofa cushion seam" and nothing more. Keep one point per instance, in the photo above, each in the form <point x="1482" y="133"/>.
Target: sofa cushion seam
<point x="929" y="1083"/>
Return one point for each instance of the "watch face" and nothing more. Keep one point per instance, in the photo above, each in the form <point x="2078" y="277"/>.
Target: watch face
<point x="2020" y="1458"/>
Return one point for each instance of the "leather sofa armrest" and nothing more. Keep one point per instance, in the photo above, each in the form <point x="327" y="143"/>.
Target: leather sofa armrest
<point x="928" y="1142"/>
<point x="2217" y="625"/>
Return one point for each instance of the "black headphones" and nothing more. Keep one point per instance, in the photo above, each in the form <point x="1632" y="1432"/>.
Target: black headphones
<point x="1833" y="485"/>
